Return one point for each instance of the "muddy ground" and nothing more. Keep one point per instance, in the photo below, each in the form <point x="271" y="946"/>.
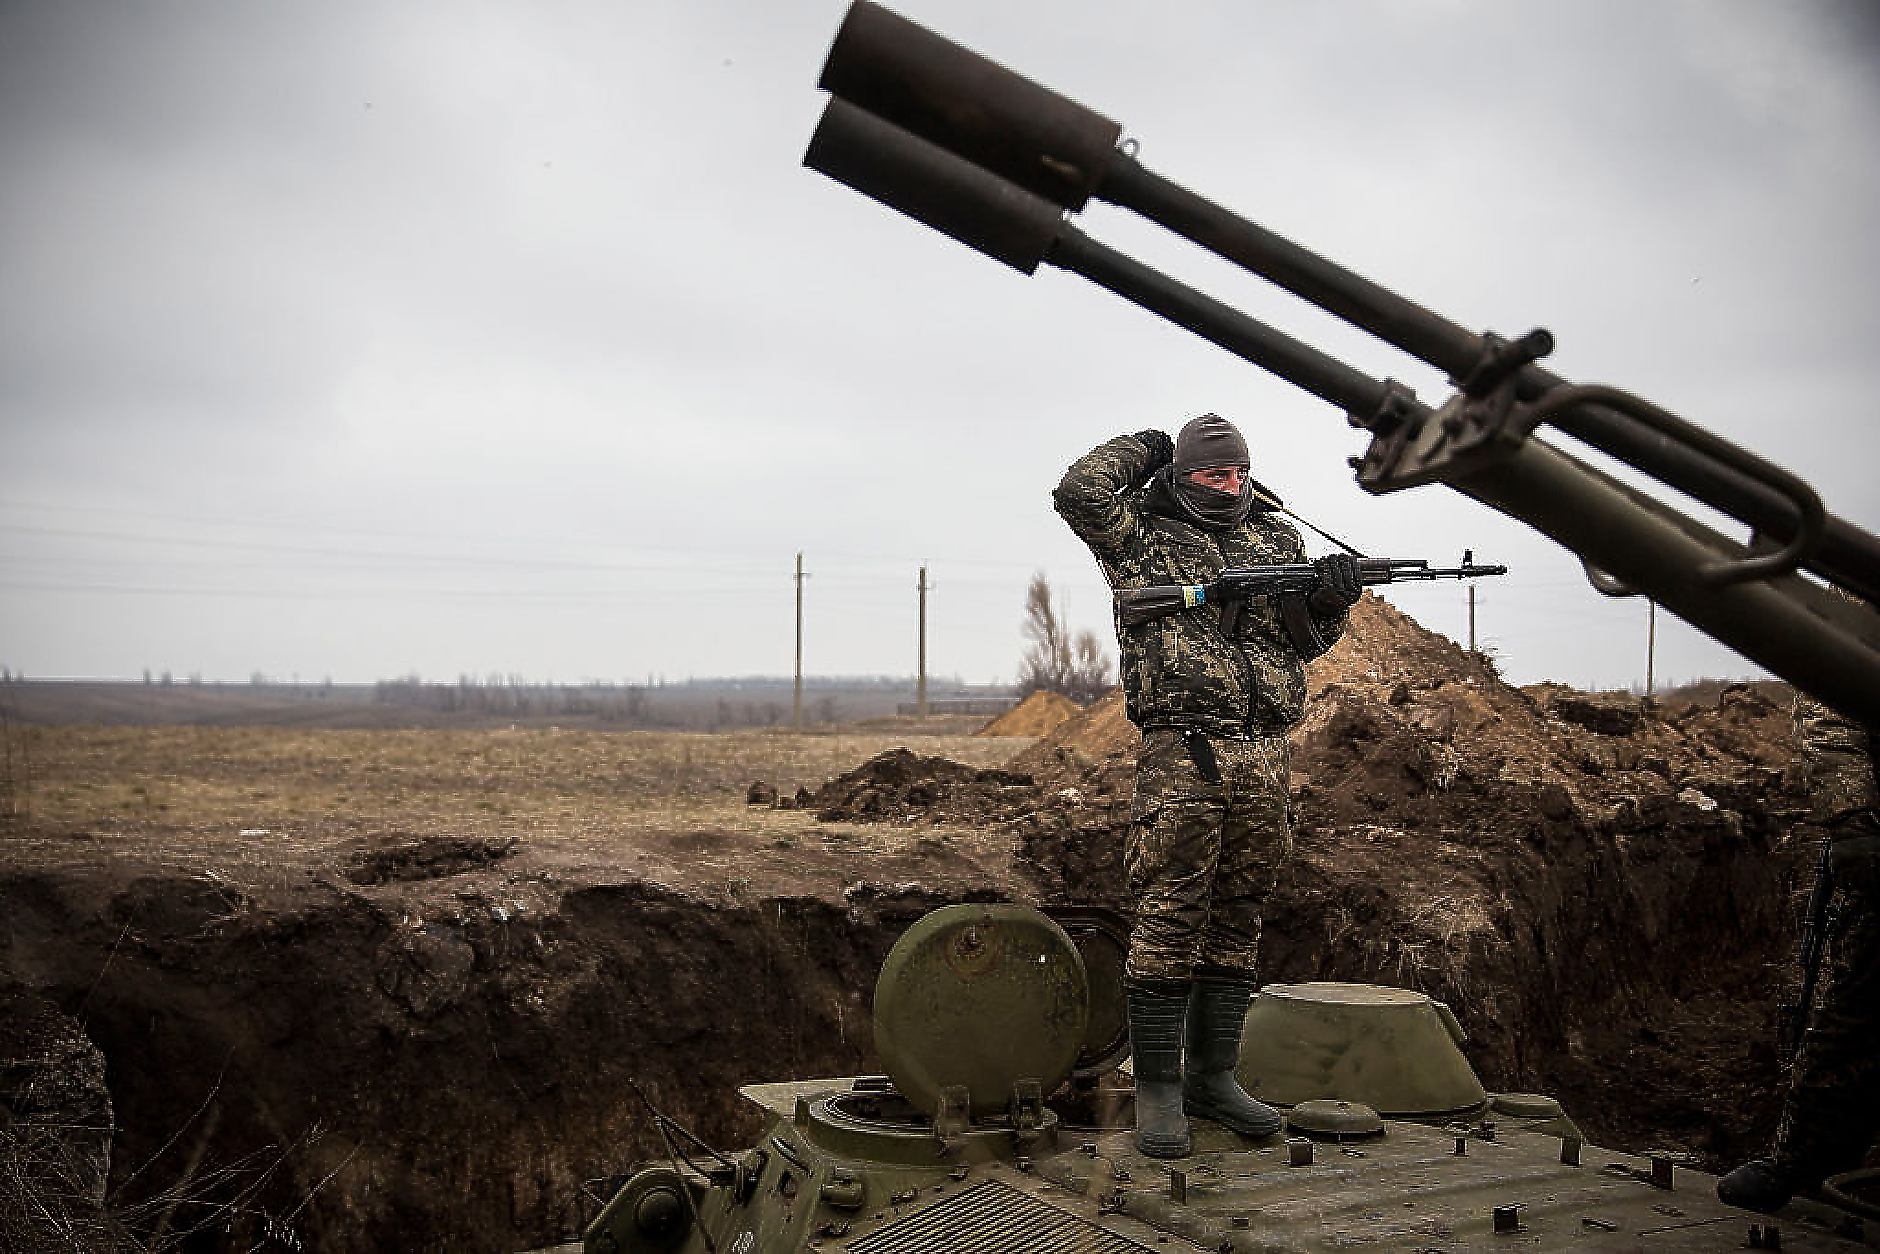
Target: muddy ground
<point x="365" y="990"/>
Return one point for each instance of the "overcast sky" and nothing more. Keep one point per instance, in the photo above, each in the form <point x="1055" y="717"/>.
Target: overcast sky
<point x="352" y="339"/>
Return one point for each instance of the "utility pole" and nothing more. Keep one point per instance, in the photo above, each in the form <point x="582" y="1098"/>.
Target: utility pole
<point x="796" y="703"/>
<point x="1471" y="618"/>
<point x="1651" y="642"/>
<point x="920" y="691"/>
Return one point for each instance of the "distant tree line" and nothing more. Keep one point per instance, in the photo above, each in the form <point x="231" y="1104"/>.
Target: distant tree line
<point x="511" y="696"/>
<point x="690" y="705"/>
<point x="16" y="766"/>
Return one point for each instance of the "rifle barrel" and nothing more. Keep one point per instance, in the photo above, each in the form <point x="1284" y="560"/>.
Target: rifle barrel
<point x="1458" y="572"/>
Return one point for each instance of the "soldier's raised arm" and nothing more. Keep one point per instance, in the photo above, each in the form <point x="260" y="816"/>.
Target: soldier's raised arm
<point x="1090" y="496"/>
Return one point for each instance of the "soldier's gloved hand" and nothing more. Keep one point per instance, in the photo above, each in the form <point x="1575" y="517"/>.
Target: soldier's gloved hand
<point x="1161" y="453"/>
<point x="1338" y="585"/>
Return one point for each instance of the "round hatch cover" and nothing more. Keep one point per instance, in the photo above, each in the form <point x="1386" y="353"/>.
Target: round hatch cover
<point x="1323" y="1117"/>
<point x="980" y="997"/>
<point x="1526" y="1105"/>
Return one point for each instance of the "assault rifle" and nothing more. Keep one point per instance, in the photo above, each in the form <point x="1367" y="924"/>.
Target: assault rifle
<point x="998" y="162"/>
<point x="1291" y="583"/>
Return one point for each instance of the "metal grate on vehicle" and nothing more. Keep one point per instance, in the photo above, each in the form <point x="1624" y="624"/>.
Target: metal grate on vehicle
<point x="992" y="1216"/>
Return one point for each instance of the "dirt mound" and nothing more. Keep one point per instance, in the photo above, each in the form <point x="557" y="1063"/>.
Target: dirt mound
<point x="1097" y="734"/>
<point x="1556" y="865"/>
<point x="901" y="785"/>
<point x="423" y="858"/>
<point x="1382" y="645"/>
<point x="1036" y="715"/>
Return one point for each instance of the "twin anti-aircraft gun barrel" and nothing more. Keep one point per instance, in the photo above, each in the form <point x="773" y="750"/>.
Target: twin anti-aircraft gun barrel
<point x="998" y="162"/>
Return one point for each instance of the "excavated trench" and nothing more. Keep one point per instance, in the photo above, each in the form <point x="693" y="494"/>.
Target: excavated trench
<point x="425" y="1046"/>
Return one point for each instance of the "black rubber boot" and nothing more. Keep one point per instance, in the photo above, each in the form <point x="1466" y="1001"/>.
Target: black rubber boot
<point x="1216" y="1008"/>
<point x="1156" y="1017"/>
<point x="1757" y="1185"/>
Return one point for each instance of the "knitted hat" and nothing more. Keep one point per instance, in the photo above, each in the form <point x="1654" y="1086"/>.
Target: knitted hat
<point x="1209" y="440"/>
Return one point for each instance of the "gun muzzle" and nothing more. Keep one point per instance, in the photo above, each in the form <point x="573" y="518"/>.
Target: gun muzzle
<point x="974" y="107"/>
<point x="930" y="184"/>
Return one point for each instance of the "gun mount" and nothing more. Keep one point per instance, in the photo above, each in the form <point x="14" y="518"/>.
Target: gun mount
<point x="1000" y="163"/>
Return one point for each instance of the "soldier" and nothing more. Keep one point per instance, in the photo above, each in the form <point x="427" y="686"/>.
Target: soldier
<point x="1832" y="1110"/>
<point x="1214" y="690"/>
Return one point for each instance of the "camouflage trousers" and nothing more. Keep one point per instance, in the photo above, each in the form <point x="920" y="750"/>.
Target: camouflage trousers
<point x="1201" y="858"/>
<point x="1832" y="1113"/>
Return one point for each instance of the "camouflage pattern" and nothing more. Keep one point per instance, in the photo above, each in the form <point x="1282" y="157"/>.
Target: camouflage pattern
<point x="1837" y="760"/>
<point x="1202" y="858"/>
<point x="1183" y="670"/>
<point x="1833" y="1109"/>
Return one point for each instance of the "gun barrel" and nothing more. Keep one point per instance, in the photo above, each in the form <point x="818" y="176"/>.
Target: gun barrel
<point x="1058" y="149"/>
<point x="1246" y="337"/>
<point x="951" y="96"/>
<point x="931" y="185"/>
<point x="1457" y="572"/>
<point x="993" y="159"/>
<point x="1396" y="570"/>
<point x="1713" y="472"/>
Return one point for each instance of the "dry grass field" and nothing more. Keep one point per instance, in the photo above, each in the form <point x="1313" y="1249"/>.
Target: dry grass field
<point x="234" y="795"/>
<point x="520" y="782"/>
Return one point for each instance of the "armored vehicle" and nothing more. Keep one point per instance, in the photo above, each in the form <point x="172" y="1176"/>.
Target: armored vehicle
<point x="1001" y="1123"/>
<point x="998" y="1129"/>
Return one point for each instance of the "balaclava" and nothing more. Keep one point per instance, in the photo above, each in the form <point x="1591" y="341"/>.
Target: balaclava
<point x="1210" y="440"/>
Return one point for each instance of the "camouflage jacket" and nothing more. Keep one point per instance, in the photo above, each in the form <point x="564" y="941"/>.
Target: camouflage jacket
<point x="1838" y="765"/>
<point x="1837" y="760"/>
<point x="1183" y="670"/>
